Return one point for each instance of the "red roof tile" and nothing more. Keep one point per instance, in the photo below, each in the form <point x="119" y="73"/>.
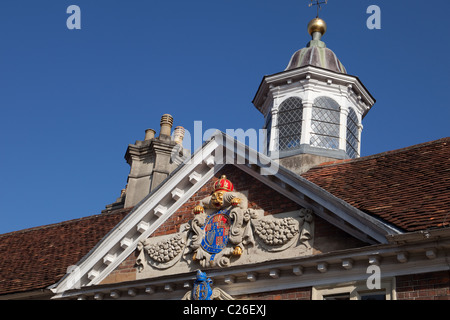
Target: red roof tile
<point x="409" y="188"/>
<point x="35" y="258"/>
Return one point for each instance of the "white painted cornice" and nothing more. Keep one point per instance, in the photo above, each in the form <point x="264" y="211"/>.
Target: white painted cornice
<point x="310" y="73"/>
<point x="338" y="267"/>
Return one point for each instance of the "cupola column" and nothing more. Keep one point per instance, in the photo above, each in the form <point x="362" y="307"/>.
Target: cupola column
<point x="360" y="129"/>
<point x="306" y="123"/>
<point x="343" y="128"/>
<point x="273" y="135"/>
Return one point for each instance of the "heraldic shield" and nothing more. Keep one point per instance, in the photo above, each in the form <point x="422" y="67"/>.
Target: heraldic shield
<point x="216" y="231"/>
<point x="202" y="290"/>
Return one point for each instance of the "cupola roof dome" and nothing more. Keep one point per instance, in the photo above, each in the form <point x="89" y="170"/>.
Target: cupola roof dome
<point x="316" y="52"/>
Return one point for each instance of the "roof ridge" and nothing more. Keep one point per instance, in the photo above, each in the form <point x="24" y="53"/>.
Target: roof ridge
<point x="61" y="223"/>
<point x="378" y="155"/>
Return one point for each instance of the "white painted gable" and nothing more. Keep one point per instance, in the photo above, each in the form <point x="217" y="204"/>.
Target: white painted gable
<point x="186" y="180"/>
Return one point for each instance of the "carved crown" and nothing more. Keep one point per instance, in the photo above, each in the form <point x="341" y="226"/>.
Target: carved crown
<point x="223" y="184"/>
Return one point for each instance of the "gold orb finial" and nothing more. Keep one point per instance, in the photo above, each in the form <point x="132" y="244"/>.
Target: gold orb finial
<point x="317" y="25"/>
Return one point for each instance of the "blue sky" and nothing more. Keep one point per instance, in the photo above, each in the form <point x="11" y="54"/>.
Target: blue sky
<point x="72" y="100"/>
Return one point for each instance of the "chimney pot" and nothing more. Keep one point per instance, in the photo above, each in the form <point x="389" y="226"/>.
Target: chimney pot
<point x="178" y="135"/>
<point x="149" y="134"/>
<point x="166" y="125"/>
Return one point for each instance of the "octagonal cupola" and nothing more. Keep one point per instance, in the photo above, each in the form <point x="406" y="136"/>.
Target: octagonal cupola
<point x="313" y="109"/>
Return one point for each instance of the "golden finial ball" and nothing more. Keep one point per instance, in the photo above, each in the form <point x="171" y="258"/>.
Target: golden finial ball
<point x="317" y="25"/>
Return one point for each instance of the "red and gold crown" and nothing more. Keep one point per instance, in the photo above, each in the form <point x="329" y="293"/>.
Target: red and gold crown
<point x="223" y="184"/>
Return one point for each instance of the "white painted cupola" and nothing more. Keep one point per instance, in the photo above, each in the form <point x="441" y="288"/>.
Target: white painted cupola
<point x="313" y="109"/>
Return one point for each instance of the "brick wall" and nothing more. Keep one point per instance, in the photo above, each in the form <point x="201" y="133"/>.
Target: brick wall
<point x="291" y="294"/>
<point x="424" y="286"/>
<point x="329" y="238"/>
<point x="126" y="271"/>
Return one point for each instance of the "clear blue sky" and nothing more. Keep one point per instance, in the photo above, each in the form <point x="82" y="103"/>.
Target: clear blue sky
<point x="72" y="100"/>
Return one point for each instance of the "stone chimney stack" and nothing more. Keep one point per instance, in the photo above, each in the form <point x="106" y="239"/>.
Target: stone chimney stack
<point x="150" y="162"/>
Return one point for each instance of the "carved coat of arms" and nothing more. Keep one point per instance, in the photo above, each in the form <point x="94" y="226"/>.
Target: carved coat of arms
<point x="225" y="231"/>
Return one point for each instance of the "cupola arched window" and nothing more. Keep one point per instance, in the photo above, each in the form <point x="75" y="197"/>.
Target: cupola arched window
<point x="352" y="134"/>
<point x="289" y="124"/>
<point x="325" y="123"/>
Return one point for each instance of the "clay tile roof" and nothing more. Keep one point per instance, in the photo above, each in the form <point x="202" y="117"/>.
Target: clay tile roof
<point x="408" y="188"/>
<point x="36" y="258"/>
